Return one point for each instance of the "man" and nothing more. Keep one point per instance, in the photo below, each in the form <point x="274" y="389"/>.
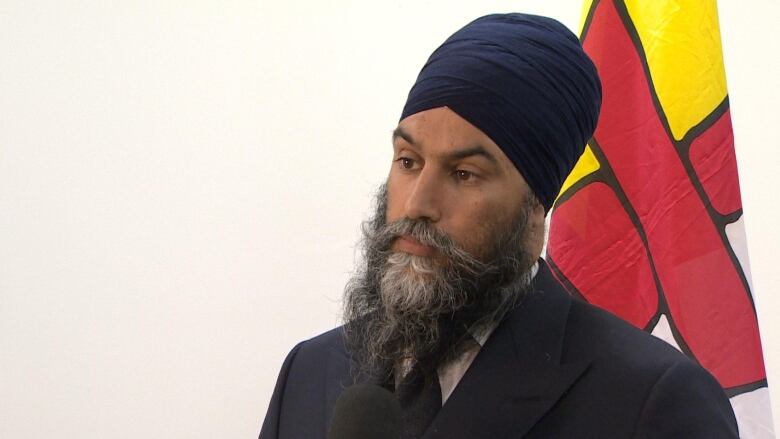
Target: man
<point x="454" y="311"/>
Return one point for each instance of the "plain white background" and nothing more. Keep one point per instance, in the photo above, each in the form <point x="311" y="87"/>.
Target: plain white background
<point x="182" y="182"/>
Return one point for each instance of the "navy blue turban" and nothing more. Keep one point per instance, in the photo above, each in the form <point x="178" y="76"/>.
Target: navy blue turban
<point x="525" y="82"/>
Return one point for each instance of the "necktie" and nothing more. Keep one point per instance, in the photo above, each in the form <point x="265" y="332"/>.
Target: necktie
<point x="420" y="399"/>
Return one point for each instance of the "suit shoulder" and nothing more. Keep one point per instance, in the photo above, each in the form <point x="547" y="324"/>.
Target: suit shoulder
<point x="321" y="344"/>
<point x="297" y="408"/>
<point x="599" y="334"/>
<point x="665" y="392"/>
<point x="327" y="338"/>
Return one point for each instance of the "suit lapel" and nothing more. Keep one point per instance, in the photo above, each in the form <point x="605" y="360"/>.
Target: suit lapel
<point x="517" y="376"/>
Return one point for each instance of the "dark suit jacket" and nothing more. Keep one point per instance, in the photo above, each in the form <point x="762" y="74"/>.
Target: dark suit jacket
<point x="554" y="368"/>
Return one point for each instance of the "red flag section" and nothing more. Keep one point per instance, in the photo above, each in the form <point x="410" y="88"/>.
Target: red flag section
<point x="599" y="239"/>
<point x="713" y="159"/>
<point x="644" y="234"/>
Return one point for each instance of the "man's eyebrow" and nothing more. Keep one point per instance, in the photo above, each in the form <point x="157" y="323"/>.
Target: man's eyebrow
<point x="399" y="132"/>
<point x="472" y="151"/>
<point x="476" y="150"/>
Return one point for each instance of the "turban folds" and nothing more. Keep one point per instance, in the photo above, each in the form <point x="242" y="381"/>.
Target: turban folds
<point x="525" y="82"/>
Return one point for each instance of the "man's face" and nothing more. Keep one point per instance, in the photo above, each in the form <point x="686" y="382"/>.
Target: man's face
<point x="450" y="247"/>
<point x="449" y="173"/>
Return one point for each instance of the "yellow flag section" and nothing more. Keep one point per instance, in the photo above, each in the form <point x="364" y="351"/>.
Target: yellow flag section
<point x="587" y="5"/>
<point x="587" y="164"/>
<point x="681" y="40"/>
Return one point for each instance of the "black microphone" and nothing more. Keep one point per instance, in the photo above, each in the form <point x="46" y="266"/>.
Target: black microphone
<point x="366" y="411"/>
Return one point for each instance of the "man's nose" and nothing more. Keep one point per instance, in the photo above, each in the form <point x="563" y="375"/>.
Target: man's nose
<point x="425" y="197"/>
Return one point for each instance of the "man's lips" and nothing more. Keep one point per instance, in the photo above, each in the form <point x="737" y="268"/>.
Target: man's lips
<point x="407" y="244"/>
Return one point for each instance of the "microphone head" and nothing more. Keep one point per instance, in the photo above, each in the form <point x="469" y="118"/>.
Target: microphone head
<point x="366" y="411"/>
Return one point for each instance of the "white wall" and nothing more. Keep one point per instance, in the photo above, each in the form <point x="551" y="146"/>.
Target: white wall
<point x="181" y="185"/>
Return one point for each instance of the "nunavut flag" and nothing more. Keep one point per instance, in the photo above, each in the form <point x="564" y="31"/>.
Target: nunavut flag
<point x="649" y="224"/>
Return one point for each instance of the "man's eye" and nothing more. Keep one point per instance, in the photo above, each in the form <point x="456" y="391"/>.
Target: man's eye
<point x="406" y="162"/>
<point x="464" y="175"/>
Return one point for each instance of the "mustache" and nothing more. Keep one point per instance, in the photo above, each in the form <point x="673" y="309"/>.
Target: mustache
<point x="427" y="234"/>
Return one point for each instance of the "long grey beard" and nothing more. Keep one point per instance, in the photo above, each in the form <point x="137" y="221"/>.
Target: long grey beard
<point x="401" y="306"/>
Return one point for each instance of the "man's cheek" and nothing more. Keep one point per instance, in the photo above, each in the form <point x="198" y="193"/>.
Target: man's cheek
<point x="486" y="237"/>
<point x="395" y="202"/>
